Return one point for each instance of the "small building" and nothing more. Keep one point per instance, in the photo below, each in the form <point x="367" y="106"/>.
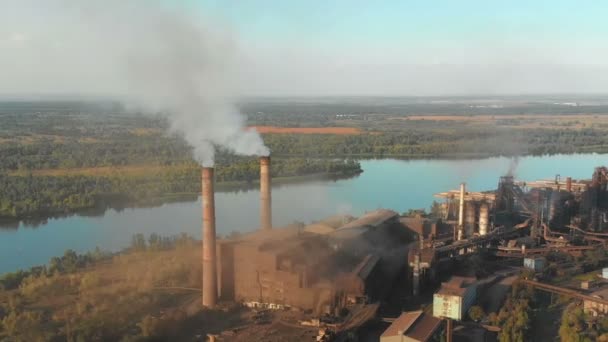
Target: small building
<point x="588" y="284"/>
<point x="594" y="308"/>
<point x="455" y="297"/>
<point x="413" y="326"/>
<point x="536" y="264"/>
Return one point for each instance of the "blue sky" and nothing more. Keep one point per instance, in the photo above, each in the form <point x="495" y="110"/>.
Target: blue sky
<point x="347" y="47"/>
<point x="372" y="22"/>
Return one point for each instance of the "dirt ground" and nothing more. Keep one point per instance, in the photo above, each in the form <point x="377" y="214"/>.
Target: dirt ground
<point x="281" y="326"/>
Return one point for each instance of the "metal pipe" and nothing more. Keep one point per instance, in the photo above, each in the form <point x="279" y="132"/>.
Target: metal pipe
<point x="209" y="257"/>
<point x="265" y="194"/>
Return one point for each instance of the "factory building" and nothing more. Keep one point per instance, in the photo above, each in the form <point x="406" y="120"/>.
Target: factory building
<point x="455" y="297"/>
<point x="429" y="228"/>
<point x="414" y="326"/>
<point x="278" y="268"/>
<point x="318" y="269"/>
<point x="361" y="286"/>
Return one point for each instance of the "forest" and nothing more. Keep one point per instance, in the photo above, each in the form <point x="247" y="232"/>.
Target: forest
<point x="61" y="157"/>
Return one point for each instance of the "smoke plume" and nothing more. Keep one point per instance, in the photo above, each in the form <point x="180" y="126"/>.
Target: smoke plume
<point x="163" y="58"/>
<point x="513" y="164"/>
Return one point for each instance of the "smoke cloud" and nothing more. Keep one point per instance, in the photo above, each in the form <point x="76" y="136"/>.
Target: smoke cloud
<point x="513" y="164"/>
<point x="163" y="58"/>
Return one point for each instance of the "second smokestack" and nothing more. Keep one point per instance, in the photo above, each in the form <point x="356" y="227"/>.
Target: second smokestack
<point x="461" y="213"/>
<point x="265" y="194"/>
<point x="209" y="286"/>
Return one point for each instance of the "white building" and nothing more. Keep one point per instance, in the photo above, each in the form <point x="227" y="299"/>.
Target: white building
<point x="455" y="297"/>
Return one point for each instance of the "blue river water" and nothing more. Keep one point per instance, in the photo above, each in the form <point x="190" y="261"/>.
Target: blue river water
<point x="394" y="184"/>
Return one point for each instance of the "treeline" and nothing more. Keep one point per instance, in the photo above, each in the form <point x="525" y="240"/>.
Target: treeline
<point x="160" y="150"/>
<point x="515" y="316"/>
<point x="69" y="262"/>
<point x="45" y="153"/>
<point x="72" y="261"/>
<point x="418" y="143"/>
<point x="31" y="195"/>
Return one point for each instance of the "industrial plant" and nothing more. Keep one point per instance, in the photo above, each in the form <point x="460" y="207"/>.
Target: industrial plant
<point x="345" y="274"/>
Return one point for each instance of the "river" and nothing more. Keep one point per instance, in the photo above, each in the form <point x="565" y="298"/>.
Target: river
<point x="393" y="184"/>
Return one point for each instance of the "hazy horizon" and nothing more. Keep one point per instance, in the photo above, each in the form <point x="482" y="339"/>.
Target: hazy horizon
<point x="316" y="48"/>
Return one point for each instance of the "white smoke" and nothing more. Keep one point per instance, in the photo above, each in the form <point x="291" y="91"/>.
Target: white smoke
<point x="163" y="57"/>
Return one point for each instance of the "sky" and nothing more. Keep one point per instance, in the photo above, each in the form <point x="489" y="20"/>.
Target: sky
<point x="339" y="47"/>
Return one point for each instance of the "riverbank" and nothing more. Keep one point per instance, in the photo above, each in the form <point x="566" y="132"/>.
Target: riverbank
<point x="47" y="192"/>
<point x="139" y="293"/>
<point x="393" y="184"/>
<point x="119" y="201"/>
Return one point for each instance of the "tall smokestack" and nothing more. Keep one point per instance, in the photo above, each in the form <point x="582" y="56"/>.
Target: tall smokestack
<point x="461" y="212"/>
<point x="265" y="195"/>
<point x="209" y="262"/>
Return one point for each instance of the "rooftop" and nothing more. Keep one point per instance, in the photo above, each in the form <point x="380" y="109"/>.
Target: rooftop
<point x="602" y="293"/>
<point x="319" y="228"/>
<point x="371" y="219"/>
<point x="456" y="286"/>
<point x="366" y="266"/>
<point x="414" y="324"/>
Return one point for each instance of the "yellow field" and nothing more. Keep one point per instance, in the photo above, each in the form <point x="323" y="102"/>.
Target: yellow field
<point x="130" y="170"/>
<point x="307" y="130"/>
<point x="31" y="139"/>
<point x="144" y="131"/>
<point x="571" y="121"/>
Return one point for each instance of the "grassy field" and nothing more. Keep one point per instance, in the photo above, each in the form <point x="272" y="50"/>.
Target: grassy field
<point x="571" y="121"/>
<point x="307" y="130"/>
<point x="100" y="171"/>
<point x="149" y="293"/>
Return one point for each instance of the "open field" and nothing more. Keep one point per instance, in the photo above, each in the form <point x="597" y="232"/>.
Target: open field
<point x="571" y="121"/>
<point x="308" y="130"/>
<point x="100" y="171"/>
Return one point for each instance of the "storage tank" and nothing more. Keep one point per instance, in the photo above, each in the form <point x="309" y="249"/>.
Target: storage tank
<point x="469" y="219"/>
<point x="484" y="218"/>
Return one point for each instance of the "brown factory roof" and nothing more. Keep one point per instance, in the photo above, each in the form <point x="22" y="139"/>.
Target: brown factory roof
<point x="349" y="233"/>
<point x="456" y="286"/>
<point x="414" y="324"/>
<point x="337" y="221"/>
<point x="419" y="224"/>
<point x="603" y="293"/>
<point x="319" y="228"/>
<point x="371" y="219"/>
<point x="366" y="266"/>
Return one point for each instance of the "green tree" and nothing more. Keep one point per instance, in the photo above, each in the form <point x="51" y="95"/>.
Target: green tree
<point x="476" y="313"/>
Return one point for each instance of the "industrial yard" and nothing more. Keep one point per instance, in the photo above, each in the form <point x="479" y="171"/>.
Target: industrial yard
<point x="348" y="277"/>
<point x="324" y="171"/>
<point x="478" y="267"/>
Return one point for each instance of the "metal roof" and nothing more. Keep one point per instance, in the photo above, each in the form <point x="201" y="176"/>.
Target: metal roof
<point x="414" y="324"/>
<point x="371" y="219"/>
